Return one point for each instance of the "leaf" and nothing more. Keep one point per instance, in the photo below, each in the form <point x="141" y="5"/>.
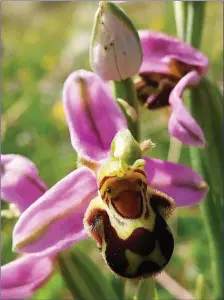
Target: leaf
<point x="83" y="278"/>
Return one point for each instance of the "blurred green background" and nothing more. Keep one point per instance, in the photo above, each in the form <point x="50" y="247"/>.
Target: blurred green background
<point x="42" y="43"/>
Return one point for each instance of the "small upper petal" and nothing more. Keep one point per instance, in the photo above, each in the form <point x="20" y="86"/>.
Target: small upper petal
<point x="55" y="221"/>
<point x="20" y="181"/>
<point x="160" y="49"/>
<point x="92" y="114"/>
<point x="180" y="182"/>
<point x="181" y="124"/>
<point x="21" y="277"/>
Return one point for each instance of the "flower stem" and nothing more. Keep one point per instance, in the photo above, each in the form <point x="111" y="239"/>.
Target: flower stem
<point x="195" y="22"/>
<point x="126" y="91"/>
<point x="180" y="16"/>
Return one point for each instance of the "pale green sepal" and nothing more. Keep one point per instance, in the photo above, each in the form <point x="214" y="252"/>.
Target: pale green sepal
<point x="125" y="156"/>
<point x="146" y="290"/>
<point x="83" y="277"/>
<point x="125" y="147"/>
<point x="115" y="50"/>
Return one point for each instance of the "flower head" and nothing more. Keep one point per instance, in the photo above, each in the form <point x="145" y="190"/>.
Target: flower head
<point x="169" y="67"/>
<point x="55" y="221"/>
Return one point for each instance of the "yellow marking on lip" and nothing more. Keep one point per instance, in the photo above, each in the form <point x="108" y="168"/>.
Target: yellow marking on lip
<point x="135" y="260"/>
<point x="156" y="256"/>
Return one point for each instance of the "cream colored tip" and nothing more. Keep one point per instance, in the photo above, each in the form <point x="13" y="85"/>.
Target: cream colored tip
<point x="12" y="212"/>
<point x="147" y="145"/>
<point x="202" y="186"/>
<point x="91" y="164"/>
<point x="131" y="112"/>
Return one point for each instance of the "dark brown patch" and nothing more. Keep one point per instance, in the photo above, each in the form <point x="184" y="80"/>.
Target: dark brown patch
<point x="162" y="204"/>
<point x="160" y="100"/>
<point x="148" y="267"/>
<point x="115" y="250"/>
<point x="158" y="86"/>
<point x="92" y="220"/>
<point x="146" y="77"/>
<point x="128" y="204"/>
<point x="164" y="237"/>
<point x="141" y="241"/>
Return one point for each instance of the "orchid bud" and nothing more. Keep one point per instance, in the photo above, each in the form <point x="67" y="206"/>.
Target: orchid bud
<point x="115" y="52"/>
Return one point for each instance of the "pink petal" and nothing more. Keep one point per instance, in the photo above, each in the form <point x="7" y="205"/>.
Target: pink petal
<point x="180" y="182"/>
<point x="20" y="182"/>
<point x="20" y="278"/>
<point x="181" y="124"/>
<point x="159" y="49"/>
<point x="92" y="114"/>
<point x="55" y="221"/>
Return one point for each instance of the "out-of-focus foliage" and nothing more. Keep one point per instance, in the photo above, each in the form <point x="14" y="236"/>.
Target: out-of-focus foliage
<point x="42" y="43"/>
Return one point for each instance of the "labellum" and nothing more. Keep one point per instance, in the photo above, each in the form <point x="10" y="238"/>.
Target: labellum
<point x="128" y="218"/>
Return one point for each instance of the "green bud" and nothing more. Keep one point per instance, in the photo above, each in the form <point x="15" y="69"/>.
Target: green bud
<point x="115" y="52"/>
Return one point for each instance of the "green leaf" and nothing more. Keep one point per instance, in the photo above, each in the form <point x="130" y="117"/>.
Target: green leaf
<point x="206" y="107"/>
<point x="53" y="289"/>
<point x="146" y="290"/>
<point x="83" y="278"/>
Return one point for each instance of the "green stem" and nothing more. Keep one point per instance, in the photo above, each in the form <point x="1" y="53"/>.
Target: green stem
<point x="180" y="10"/>
<point x="125" y="90"/>
<point x="195" y="22"/>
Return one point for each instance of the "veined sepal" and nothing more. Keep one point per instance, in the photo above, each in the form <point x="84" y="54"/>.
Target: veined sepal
<point x="115" y="51"/>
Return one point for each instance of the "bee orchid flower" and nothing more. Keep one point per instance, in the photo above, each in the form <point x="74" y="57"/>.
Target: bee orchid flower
<point x="55" y="221"/>
<point x="21" y="186"/>
<point x="169" y="67"/>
